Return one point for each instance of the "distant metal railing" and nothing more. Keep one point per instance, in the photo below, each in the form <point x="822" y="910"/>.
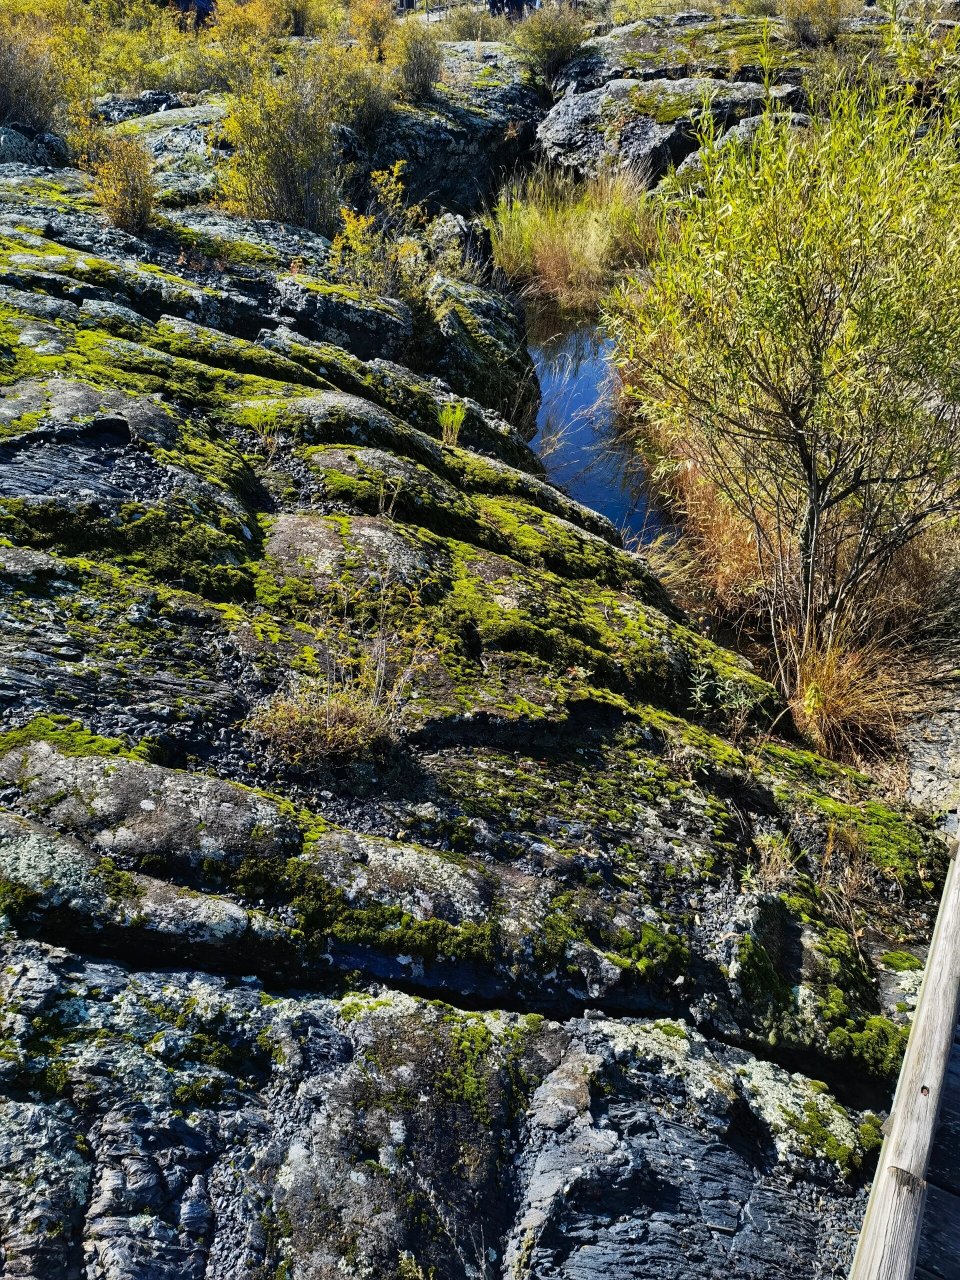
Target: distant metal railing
<point x="435" y="8"/>
<point x="890" y="1235"/>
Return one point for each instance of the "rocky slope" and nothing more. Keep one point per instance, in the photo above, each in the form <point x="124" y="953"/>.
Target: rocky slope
<point x="640" y="95"/>
<point x="584" y="975"/>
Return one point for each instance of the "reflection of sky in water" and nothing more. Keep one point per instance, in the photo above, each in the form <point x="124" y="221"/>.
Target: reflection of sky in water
<point x="574" y="370"/>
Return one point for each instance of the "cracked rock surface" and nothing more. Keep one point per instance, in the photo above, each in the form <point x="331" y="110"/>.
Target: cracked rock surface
<point x="556" y="981"/>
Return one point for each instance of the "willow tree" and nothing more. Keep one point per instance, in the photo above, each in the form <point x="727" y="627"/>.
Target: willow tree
<point x="795" y="347"/>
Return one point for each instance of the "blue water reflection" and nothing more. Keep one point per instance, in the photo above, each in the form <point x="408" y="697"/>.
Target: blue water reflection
<point x="574" y="435"/>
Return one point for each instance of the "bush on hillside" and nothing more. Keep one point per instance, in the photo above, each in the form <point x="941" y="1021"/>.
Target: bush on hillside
<point x="282" y="166"/>
<point x="30" y="84"/>
<point x="371" y="22"/>
<point x="357" y="91"/>
<point x="123" y="183"/>
<point x="547" y="40"/>
<point x="815" y="23"/>
<point x="415" y="61"/>
<point x="789" y="362"/>
<point x="467" y="23"/>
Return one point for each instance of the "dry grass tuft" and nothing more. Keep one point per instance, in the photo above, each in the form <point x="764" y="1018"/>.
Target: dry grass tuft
<point x="313" y="723"/>
<point x="563" y="239"/>
<point x="848" y="701"/>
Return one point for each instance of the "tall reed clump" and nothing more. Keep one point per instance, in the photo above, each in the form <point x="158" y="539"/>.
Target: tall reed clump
<point x="562" y="239"/>
<point x="789" y="376"/>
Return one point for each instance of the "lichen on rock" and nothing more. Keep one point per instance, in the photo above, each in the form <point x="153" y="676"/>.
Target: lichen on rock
<point x="555" y="982"/>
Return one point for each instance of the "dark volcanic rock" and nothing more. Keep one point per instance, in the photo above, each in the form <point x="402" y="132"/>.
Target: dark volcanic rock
<point x="541" y="983"/>
<point x="210" y="1128"/>
<point x="646" y="125"/>
<point x="480" y="124"/>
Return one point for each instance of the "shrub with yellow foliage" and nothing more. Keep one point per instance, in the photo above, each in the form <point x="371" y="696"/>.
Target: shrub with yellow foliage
<point x="123" y="183"/>
<point x="282" y="165"/>
<point x="414" y="57"/>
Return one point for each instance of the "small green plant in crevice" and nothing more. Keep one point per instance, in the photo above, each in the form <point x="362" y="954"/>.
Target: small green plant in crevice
<point x="451" y="415"/>
<point x="381" y="250"/>
<point x="774" y="868"/>
<point x="732" y="701"/>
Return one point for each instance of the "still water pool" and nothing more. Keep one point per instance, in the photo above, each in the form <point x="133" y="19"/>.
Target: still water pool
<point x="574" y="430"/>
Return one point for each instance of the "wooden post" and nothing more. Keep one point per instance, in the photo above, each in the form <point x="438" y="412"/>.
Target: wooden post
<point x="890" y="1235"/>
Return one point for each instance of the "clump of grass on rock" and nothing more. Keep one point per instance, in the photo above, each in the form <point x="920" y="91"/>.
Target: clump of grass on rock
<point x="314" y="723"/>
<point x="564" y="240"/>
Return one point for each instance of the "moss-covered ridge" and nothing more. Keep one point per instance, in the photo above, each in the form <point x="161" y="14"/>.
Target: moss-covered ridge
<point x="206" y="494"/>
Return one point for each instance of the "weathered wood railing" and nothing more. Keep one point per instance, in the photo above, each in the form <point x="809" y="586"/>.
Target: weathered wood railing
<point x="890" y="1235"/>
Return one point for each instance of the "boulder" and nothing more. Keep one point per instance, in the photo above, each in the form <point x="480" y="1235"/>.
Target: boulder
<point x="36" y="150"/>
<point x="646" y="125"/>
<point x="479" y="124"/>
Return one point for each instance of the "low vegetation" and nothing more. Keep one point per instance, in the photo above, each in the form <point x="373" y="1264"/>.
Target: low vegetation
<point x="30" y="88"/>
<point x="311" y="722"/>
<point x="467" y="23"/>
<point x="565" y="240"/>
<point x="350" y="706"/>
<point x="413" y="53"/>
<point x="123" y="183"/>
<point x="282" y="164"/>
<point x="548" y="39"/>
<point x="451" y="417"/>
